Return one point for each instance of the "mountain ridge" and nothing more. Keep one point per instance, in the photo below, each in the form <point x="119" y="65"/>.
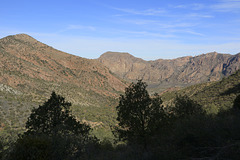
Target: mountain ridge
<point x="24" y="60"/>
<point x="167" y="73"/>
<point x="30" y="70"/>
<point x="160" y="74"/>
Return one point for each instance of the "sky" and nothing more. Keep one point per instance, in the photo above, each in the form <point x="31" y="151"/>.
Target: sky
<point x="148" y="29"/>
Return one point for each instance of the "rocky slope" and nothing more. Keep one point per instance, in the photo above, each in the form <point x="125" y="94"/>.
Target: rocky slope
<point x="31" y="66"/>
<point x="31" y="70"/>
<point x="175" y="72"/>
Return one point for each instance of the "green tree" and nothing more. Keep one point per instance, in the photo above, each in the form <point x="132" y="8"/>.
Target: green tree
<point x="53" y="117"/>
<point x="184" y="107"/>
<point x="139" y="115"/>
<point x="53" y="133"/>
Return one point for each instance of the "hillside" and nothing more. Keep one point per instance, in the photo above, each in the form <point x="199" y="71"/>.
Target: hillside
<point x="31" y="70"/>
<point x="214" y="96"/>
<point x="24" y="60"/>
<point x="177" y="72"/>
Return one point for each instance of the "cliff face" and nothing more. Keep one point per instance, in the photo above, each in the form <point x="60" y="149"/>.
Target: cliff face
<point x="28" y="65"/>
<point x="175" y="72"/>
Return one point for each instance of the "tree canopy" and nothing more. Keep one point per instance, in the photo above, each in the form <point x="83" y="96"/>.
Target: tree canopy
<point x="53" y="133"/>
<point x="53" y="117"/>
<point x="139" y="115"/>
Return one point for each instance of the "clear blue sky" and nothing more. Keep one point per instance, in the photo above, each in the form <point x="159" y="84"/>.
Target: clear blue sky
<point x="149" y="29"/>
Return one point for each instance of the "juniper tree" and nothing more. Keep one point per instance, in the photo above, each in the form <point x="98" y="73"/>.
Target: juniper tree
<point x="54" y="117"/>
<point x="53" y="133"/>
<point x="138" y="114"/>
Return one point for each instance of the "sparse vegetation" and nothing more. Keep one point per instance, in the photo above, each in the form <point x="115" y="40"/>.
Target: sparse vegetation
<point x="197" y="122"/>
<point x="185" y="131"/>
<point x="213" y="96"/>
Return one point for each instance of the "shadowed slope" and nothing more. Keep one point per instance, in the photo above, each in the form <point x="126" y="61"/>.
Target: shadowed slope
<point x="212" y="95"/>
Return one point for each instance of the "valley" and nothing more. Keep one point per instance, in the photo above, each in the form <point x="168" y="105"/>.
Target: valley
<point x="31" y="70"/>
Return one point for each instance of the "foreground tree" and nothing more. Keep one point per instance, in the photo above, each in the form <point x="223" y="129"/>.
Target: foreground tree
<point x="53" y="133"/>
<point x="139" y="115"/>
<point x="54" y="118"/>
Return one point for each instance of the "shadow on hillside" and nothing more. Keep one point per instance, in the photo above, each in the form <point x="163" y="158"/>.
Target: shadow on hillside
<point x="233" y="90"/>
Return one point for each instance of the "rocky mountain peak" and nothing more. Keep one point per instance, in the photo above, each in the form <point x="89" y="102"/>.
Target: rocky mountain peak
<point x="117" y="56"/>
<point x="27" y="63"/>
<point x="169" y="73"/>
<point x="21" y="37"/>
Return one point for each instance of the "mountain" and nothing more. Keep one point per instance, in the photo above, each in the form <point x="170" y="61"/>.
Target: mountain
<point x="25" y="62"/>
<point x="31" y="70"/>
<point x="213" y="96"/>
<point x="182" y="71"/>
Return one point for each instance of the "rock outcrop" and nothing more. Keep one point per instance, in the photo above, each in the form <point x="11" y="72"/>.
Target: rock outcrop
<point x="174" y="72"/>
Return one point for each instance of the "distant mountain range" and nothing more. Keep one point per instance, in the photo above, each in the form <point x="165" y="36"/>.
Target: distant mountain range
<point x="162" y="74"/>
<point x="26" y="62"/>
<point x="31" y="70"/>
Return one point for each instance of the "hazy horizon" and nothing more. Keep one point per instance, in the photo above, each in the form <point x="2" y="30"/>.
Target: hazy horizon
<point x="126" y="52"/>
<point x="146" y="29"/>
